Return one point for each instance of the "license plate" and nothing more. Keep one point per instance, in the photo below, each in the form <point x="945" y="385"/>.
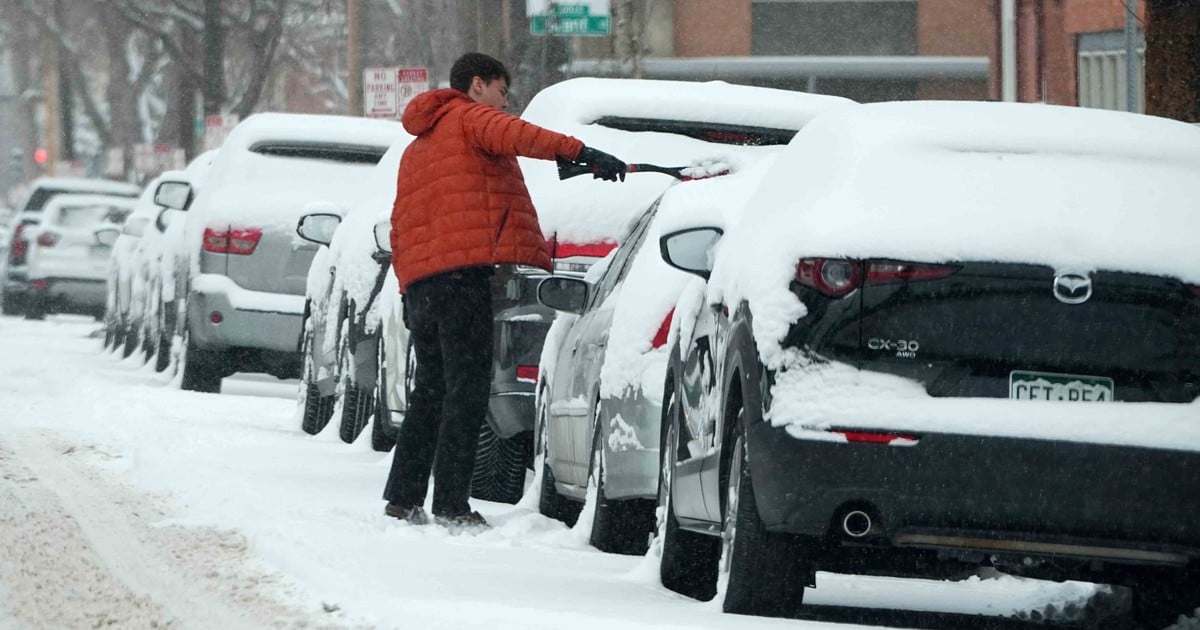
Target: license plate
<point x="1024" y="385"/>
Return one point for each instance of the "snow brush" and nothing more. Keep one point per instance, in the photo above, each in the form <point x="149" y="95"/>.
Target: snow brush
<point x="700" y="170"/>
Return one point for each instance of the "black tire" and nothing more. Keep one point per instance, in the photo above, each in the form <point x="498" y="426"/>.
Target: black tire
<point x="689" y="559"/>
<point x="618" y="526"/>
<point x="767" y="572"/>
<point x="162" y="357"/>
<point x="35" y="307"/>
<point x="129" y="341"/>
<point x="357" y="402"/>
<point x="550" y="502"/>
<point x="202" y="369"/>
<point x="500" y="465"/>
<point x="12" y="303"/>
<point x="383" y="435"/>
<point x="316" y="410"/>
<point x="1159" y="599"/>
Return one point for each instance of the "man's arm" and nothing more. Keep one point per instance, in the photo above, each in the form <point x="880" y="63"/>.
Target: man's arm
<point x="498" y="133"/>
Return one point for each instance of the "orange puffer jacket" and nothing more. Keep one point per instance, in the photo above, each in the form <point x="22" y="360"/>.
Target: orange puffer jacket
<point x="460" y="198"/>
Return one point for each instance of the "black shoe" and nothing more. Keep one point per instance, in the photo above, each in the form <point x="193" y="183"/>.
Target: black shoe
<point x="465" y="522"/>
<point x="414" y="514"/>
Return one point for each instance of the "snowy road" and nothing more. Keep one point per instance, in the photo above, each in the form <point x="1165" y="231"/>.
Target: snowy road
<point x="125" y="501"/>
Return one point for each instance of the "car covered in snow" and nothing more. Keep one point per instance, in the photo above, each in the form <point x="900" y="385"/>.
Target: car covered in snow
<point x="246" y="266"/>
<point x="13" y="277"/>
<point x="943" y="336"/>
<point x="605" y="358"/>
<point x="68" y="253"/>
<point x="122" y="321"/>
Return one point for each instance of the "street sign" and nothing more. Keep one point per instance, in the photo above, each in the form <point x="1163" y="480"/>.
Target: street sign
<point x="580" y="18"/>
<point x="387" y="91"/>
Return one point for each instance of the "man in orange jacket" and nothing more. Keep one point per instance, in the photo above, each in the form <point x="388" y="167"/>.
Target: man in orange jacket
<point x="461" y="209"/>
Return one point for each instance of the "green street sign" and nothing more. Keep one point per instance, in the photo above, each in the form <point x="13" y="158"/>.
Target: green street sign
<point x="570" y="19"/>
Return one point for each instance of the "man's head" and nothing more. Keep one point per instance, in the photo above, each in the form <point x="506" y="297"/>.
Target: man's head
<point x="483" y="78"/>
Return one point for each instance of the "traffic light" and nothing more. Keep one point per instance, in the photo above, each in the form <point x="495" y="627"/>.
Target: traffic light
<point x="40" y="155"/>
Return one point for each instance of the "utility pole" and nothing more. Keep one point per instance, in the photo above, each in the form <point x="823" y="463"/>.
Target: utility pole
<point x="50" y="101"/>
<point x="1008" y="50"/>
<point x="1131" y="64"/>
<point x="354" y="66"/>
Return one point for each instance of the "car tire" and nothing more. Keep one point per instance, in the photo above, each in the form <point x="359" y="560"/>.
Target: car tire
<point x="35" y="307"/>
<point x="383" y="434"/>
<point x="162" y="357"/>
<point x="202" y="369"/>
<point x="129" y="341"/>
<point x="618" y="526"/>
<point x="357" y="402"/>
<point x="315" y="409"/>
<point x="765" y="572"/>
<point x="550" y="502"/>
<point x="500" y="465"/>
<point x="689" y="559"/>
<point x="12" y="304"/>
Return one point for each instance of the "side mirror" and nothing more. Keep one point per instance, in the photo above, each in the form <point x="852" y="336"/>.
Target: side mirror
<point x="318" y="227"/>
<point x="107" y="236"/>
<point x="563" y="294"/>
<point x="383" y="237"/>
<point x="173" y="195"/>
<point x="690" y="250"/>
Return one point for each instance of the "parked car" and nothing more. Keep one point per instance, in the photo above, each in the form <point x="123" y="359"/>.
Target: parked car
<point x="246" y="267"/>
<point x="122" y="318"/>
<point x="67" y="260"/>
<point x="943" y="336"/>
<point x="13" y="277"/>
<point x="604" y="362"/>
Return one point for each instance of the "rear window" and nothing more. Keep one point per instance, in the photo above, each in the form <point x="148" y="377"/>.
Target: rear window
<point x="87" y="216"/>
<point x="333" y="152"/>
<point x="718" y="133"/>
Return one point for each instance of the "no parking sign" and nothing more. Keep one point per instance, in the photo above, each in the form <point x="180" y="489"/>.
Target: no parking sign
<point x="386" y="91"/>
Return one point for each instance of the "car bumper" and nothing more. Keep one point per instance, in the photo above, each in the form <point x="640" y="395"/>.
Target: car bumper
<point x="248" y="319"/>
<point x="986" y="494"/>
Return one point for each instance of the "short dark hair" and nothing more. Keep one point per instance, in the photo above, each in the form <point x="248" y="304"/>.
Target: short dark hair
<point x="474" y="64"/>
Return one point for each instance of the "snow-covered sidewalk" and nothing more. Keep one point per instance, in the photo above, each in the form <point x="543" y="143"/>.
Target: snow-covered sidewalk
<point x="124" y="499"/>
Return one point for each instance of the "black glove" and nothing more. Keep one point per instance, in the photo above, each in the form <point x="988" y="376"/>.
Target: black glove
<point x="602" y="165"/>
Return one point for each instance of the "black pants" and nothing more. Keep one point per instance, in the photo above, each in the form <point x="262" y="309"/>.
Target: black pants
<point x="449" y="317"/>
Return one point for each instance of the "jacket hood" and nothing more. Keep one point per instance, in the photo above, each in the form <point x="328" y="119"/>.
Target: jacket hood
<point x="423" y="112"/>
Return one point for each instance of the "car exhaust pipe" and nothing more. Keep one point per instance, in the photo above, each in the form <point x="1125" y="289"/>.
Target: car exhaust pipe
<point x="856" y="524"/>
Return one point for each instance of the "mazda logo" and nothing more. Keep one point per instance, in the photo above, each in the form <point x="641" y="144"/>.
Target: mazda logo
<point x="1072" y="288"/>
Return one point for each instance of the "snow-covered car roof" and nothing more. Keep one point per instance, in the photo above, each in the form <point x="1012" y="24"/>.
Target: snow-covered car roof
<point x="1066" y="187"/>
<point x="586" y="210"/>
<point x="256" y="177"/>
<point x="55" y="206"/>
<point x="85" y="185"/>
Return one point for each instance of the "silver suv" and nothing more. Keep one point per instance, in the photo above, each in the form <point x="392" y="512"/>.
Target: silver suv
<point x="247" y="268"/>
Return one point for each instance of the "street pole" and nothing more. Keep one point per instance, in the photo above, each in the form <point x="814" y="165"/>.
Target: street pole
<point x="1008" y="50"/>
<point x="50" y="83"/>
<point x="1131" y="65"/>
<point x="354" y="68"/>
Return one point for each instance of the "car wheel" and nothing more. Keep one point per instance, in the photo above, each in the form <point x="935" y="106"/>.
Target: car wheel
<point x="763" y="573"/>
<point x="129" y="340"/>
<point x="357" y="402"/>
<point x="162" y="358"/>
<point x="35" y="307"/>
<point x="202" y="369"/>
<point x="383" y="434"/>
<point x="499" y="473"/>
<point x="12" y="303"/>
<point x="550" y="502"/>
<point x="618" y="526"/>
<point x="315" y="409"/>
<point x="689" y="559"/>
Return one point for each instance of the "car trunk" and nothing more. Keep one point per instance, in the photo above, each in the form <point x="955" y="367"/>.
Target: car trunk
<point x="1007" y="330"/>
<point x="278" y="264"/>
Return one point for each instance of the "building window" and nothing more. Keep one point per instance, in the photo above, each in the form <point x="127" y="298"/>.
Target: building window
<point x="1101" y="71"/>
<point x="834" y="27"/>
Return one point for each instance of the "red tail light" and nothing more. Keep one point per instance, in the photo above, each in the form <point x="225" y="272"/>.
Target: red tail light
<point x="595" y="250"/>
<point x="527" y="373"/>
<point x="242" y="242"/>
<point x="660" y="337"/>
<point x="874" y="437"/>
<point x="40" y="284"/>
<point x="19" y="245"/>
<point x="48" y="239"/>
<point x="216" y="241"/>
<point x="830" y="276"/>
<point x="885" y="271"/>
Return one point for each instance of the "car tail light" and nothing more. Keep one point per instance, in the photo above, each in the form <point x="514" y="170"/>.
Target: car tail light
<point x="885" y="271"/>
<point x="876" y="437"/>
<point x="216" y="241"/>
<point x="527" y="373"/>
<point x="40" y="285"/>
<point x="243" y="242"/>
<point x="831" y="276"/>
<point x="16" y="254"/>
<point x="48" y="239"/>
<point x="660" y="337"/>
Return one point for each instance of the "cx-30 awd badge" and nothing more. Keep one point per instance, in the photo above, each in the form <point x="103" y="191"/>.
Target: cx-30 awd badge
<point x="1072" y="288"/>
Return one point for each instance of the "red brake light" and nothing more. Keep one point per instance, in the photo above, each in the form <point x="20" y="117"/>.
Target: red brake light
<point x="242" y="242"/>
<point x="660" y="337"/>
<point x="885" y="271"/>
<point x="875" y="437"/>
<point x="216" y="241"/>
<point x="527" y="373"/>
<point x="597" y="250"/>
<point x="830" y="276"/>
<point x="48" y="239"/>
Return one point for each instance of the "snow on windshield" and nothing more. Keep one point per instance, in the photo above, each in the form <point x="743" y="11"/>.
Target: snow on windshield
<point x="584" y="210"/>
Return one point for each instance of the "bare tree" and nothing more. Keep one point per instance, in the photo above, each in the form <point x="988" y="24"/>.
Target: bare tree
<point x="1173" y="59"/>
